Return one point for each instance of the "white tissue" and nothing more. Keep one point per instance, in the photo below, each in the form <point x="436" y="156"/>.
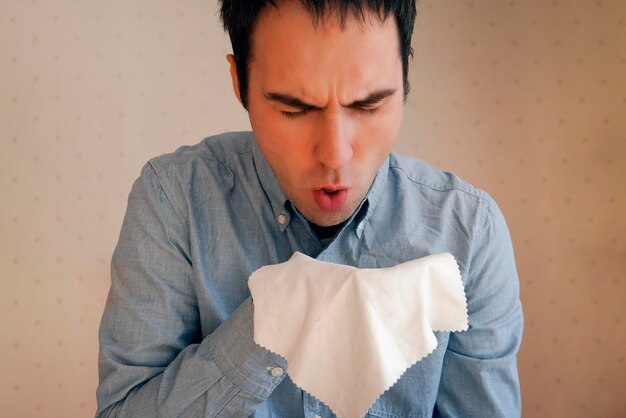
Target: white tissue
<point x="348" y="334"/>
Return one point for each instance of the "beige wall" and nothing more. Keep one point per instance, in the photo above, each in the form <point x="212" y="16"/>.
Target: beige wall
<point x="526" y="99"/>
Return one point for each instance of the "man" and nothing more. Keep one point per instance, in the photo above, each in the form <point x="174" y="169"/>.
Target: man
<point x="324" y="85"/>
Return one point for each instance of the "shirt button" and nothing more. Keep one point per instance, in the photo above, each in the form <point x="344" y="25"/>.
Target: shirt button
<point x="277" y="371"/>
<point x="282" y="218"/>
<point x="317" y="416"/>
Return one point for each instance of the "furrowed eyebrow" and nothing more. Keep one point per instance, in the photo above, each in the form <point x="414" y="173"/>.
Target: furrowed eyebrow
<point x="373" y="98"/>
<point x="292" y="101"/>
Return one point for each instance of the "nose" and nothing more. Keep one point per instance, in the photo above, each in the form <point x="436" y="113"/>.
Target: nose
<point x="333" y="148"/>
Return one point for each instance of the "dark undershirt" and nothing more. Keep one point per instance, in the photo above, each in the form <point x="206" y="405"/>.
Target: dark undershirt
<point x="325" y="233"/>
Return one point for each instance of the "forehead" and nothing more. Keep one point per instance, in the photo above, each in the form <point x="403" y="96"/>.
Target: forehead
<point x="291" y="47"/>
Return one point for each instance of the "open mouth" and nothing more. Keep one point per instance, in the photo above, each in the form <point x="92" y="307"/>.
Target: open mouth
<point x="330" y="200"/>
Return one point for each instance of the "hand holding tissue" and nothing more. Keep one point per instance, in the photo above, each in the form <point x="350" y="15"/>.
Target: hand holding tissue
<point x="348" y="334"/>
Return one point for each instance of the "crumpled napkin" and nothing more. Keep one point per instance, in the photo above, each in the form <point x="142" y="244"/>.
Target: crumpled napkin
<point x="348" y="334"/>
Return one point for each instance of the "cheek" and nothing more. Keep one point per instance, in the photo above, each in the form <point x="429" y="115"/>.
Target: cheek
<point x="281" y="143"/>
<point x="392" y="125"/>
<point x="270" y="133"/>
<point x="379" y="134"/>
<point x="270" y="123"/>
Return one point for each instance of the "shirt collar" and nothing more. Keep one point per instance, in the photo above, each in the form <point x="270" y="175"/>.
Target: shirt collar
<point x="271" y="187"/>
<point x="279" y="202"/>
<point x="373" y="196"/>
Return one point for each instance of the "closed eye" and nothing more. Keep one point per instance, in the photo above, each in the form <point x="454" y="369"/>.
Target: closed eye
<point x="295" y="115"/>
<point x="366" y="110"/>
<point x="362" y="110"/>
<point x="367" y="106"/>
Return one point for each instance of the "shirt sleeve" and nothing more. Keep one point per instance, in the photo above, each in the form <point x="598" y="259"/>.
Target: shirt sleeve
<point x="479" y="376"/>
<point x="153" y="360"/>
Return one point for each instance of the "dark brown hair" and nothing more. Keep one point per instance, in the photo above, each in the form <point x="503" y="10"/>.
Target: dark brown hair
<point x="239" y="17"/>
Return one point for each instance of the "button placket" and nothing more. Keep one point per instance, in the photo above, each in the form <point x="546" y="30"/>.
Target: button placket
<point x="276" y="371"/>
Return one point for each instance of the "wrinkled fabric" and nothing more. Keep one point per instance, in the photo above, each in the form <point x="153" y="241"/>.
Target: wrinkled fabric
<point x="176" y="336"/>
<point x="336" y="325"/>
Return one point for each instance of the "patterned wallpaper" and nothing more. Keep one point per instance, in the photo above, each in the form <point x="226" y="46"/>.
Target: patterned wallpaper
<point x="526" y="100"/>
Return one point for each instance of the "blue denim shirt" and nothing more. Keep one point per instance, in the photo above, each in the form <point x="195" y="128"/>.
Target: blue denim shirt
<point x="176" y="333"/>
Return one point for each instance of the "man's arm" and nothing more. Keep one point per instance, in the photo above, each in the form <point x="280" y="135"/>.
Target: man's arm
<point x="479" y="377"/>
<point x="152" y="359"/>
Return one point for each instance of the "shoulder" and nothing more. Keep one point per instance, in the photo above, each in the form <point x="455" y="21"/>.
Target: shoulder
<point x="444" y="198"/>
<point x="212" y="151"/>
<point x="425" y="180"/>
<point x="196" y="174"/>
<point x="463" y="219"/>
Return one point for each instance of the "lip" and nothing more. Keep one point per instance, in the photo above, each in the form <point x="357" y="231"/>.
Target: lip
<point x="332" y="188"/>
<point x="330" y="198"/>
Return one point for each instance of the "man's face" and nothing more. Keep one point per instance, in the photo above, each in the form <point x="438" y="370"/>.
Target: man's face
<point x="325" y="104"/>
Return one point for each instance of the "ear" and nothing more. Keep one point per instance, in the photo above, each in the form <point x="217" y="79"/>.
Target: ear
<point x="233" y="75"/>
